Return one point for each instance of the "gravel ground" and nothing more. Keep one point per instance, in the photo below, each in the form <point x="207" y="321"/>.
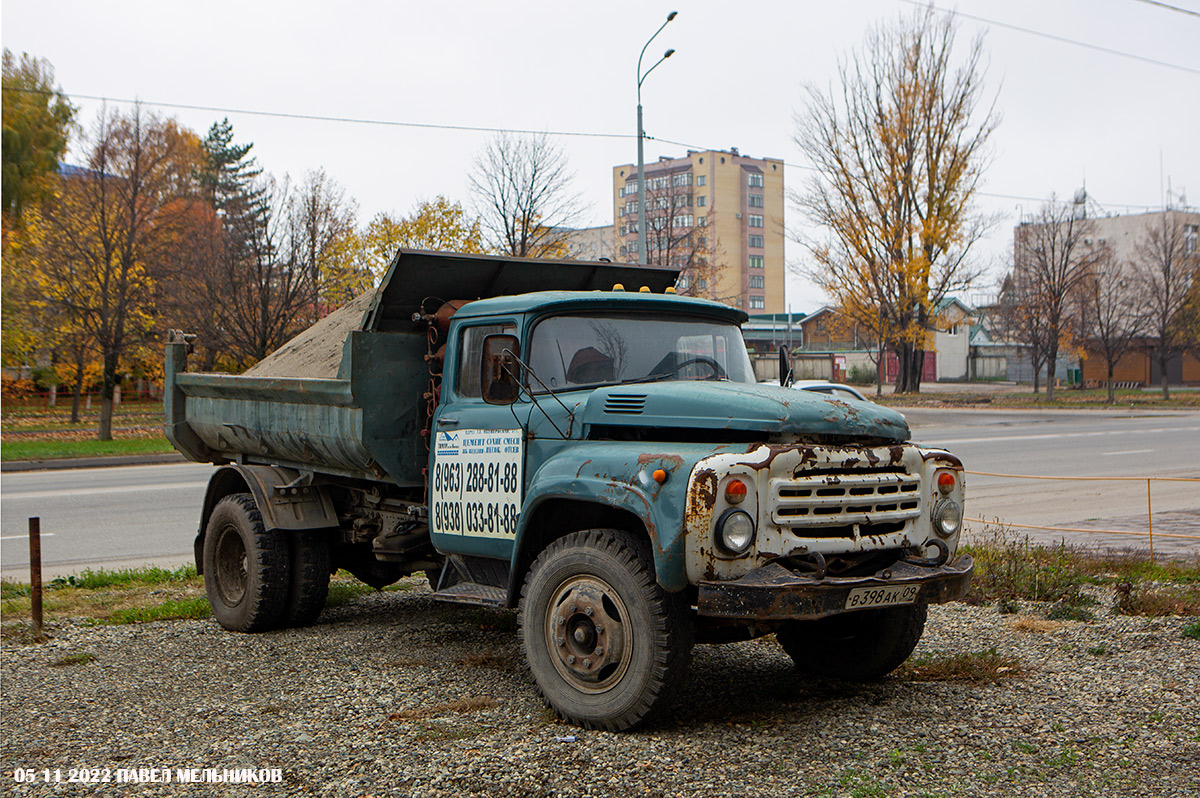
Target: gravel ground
<point x="398" y="695"/>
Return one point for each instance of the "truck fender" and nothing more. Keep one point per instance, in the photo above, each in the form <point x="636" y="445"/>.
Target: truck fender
<point x="280" y="493"/>
<point x="609" y="498"/>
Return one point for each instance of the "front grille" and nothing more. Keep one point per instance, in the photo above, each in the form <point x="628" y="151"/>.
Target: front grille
<point x="631" y="404"/>
<point x="837" y="500"/>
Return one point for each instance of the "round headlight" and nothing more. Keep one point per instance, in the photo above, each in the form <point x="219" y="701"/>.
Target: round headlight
<point x="735" y="531"/>
<point x="947" y="518"/>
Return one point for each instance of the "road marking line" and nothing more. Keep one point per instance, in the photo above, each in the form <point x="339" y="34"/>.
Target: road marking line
<point x="52" y="494"/>
<point x="1127" y="451"/>
<point x="24" y="537"/>
<point x="1002" y="438"/>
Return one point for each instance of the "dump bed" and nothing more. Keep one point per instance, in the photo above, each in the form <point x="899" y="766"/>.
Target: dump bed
<point x="348" y="395"/>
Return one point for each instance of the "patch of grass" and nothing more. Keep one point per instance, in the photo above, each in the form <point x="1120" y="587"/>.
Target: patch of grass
<point x="1024" y="397"/>
<point x="1070" y="611"/>
<point x="173" y="610"/>
<point x="1192" y="630"/>
<point x="342" y="593"/>
<point x="1008" y="569"/>
<point x="1156" y="599"/>
<point x="146" y="575"/>
<point x="1098" y="651"/>
<point x="976" y="667"/>
<point x="60" y="449"/>
<point x="123" y="596"/>
<point x="1039" y="625"/>
<point x="79" y="658"/>
<point x="11" y="590"/>
<point x="1011" y="568"/>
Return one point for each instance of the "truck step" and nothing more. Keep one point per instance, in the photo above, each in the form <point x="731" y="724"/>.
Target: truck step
<point x="472" y="593"/>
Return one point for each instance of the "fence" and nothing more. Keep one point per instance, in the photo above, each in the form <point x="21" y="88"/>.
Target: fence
<point x="1149" y="533"/>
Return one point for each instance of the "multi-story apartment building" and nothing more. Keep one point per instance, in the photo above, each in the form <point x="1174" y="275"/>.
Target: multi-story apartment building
<point x="1125" y="237"/>
<point x="717" y="216"/>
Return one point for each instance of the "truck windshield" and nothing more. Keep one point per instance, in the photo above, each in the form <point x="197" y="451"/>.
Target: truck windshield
<point x="576" y="351"/>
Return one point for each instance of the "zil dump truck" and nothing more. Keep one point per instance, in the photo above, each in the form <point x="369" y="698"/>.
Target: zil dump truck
<point x="533" y="435"/>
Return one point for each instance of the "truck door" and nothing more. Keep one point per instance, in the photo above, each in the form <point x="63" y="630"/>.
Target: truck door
<point x="477" y="460"/>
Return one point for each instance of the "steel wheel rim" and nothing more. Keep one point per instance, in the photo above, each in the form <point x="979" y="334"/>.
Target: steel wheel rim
<point x="232" y="566"/>
<point x="588" y="634"/>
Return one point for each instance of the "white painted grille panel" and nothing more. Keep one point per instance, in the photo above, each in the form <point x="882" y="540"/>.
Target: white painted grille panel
<point x="834" y="500"/>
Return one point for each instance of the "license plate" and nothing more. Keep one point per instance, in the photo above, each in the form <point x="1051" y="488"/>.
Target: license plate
<point x="862" y="597"/>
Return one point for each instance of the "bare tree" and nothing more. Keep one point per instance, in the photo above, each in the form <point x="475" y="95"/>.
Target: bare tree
<point x="1111" y="311"/>
<point x="524" y="196"/>
<point x="269" y="291"/>
<point x="322" y="219"/>
<point x="1052" y="257"/>
<point x="898" y="154"/>
<point x="1166" y="266"/>
<point x="1018" y="319"/>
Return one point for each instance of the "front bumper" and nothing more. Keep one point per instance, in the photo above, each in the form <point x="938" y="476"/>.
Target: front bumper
<point x="773" y="593"/>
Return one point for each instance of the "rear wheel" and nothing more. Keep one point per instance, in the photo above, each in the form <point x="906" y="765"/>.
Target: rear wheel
<point x="607" y="645"/>
<point x="245" y="567"/>
<point x="309" y="578"/>
<point x="857" y="646"/>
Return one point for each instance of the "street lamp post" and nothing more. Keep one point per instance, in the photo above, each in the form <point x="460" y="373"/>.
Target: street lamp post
<point x="641" y="135"/>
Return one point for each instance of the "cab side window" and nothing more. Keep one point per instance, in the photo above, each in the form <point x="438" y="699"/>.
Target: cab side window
<point x="470" y="350"/>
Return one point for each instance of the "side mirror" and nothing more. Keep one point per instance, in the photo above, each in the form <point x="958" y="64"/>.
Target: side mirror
<point x="499" y="368"/>
<point x="785" y="367"/>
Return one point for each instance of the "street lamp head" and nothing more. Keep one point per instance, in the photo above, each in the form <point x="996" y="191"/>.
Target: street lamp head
<point x="668" y="53"/>
<point x="671" y="16"/>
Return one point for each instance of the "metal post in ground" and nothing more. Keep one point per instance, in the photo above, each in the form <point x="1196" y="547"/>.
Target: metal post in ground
<point x="1150" y="521"/>
<point x="35" y="577"/>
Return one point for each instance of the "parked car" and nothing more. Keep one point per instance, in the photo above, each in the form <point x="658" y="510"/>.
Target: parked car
<point x="835" y="389"/>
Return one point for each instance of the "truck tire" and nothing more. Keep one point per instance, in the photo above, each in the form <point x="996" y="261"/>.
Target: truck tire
<point x="857" y="646"/>
<point x="245" y="567"/>
<point x="607" y="646"/>
<point x="309" y="583"/>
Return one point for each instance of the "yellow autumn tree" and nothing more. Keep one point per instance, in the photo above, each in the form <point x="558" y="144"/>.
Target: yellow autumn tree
<point x="440" y="225"/>
<point x="898" y="153"/>
<point x="106" y="233"/>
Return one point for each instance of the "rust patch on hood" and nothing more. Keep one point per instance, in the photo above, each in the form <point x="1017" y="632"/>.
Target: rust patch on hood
<point x="674" y="459"/>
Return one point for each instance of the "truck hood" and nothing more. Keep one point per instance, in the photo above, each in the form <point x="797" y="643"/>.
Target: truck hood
<point x="731" y="405"/>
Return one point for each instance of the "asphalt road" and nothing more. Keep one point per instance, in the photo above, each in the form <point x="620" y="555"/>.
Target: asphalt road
<point x="118" y="517"/>
<point x="1077" y="443"/>
<point x="101" y="517"/>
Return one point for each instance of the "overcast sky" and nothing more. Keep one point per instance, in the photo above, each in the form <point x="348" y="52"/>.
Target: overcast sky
<point x="1070" y="113"/>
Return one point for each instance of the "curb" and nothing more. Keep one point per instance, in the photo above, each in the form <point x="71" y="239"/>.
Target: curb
<point x="93" y="462"/>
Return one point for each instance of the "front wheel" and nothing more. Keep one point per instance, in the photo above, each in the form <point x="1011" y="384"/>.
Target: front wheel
<point x="608" y="647"/>
<point x="856" y="646"/>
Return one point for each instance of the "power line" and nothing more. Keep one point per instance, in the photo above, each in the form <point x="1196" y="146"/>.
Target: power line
<point x="467" y="128"/>
<point x="321" y="118"/>
<point x="1170" y="7"/>
<point x="1056" y="38"/>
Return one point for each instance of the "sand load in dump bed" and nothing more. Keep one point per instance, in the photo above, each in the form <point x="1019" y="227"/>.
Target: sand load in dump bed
<point x="350" y="395"/>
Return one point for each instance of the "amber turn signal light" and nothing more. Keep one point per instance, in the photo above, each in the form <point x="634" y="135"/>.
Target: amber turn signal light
<point x="945" y="481"/>
<point x="735" y="491"/>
